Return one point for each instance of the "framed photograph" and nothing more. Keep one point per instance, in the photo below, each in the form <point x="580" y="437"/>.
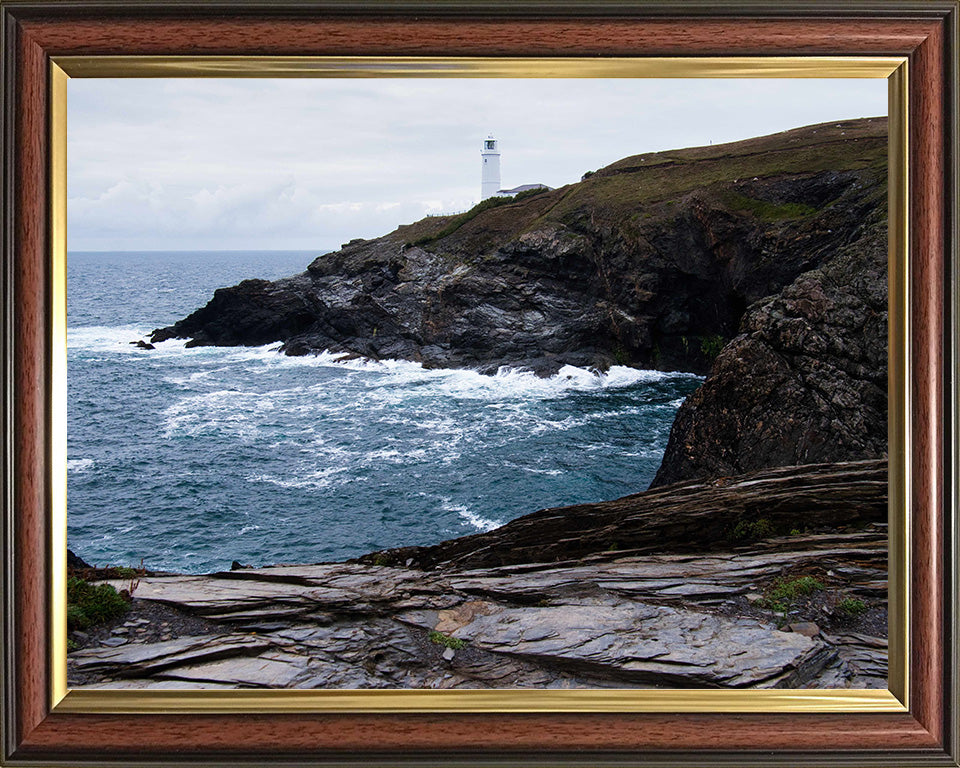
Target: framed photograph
<point x="757" y="321"/>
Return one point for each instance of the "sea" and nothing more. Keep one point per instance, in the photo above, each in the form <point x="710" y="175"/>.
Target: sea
<point x="188" y="459"/>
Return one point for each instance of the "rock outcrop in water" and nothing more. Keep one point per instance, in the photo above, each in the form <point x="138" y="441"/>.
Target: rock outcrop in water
<point x="656" y="261"/>
<point x="549" y="602"/>
<point x="650" y="261"/>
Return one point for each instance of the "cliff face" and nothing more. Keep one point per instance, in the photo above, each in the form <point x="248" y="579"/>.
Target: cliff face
<point x="656" y="261"/>
<point x="806" y="379"/>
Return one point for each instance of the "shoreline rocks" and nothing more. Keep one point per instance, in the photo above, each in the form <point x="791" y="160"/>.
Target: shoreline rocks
<point x="604" y="618"/>
<point x="760" y="262"/>
<point x="688" y="517"/>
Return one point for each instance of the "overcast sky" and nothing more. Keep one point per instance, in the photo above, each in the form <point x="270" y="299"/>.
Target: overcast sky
<point x="311" y="163"/>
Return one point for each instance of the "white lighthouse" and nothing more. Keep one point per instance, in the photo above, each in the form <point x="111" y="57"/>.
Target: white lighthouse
<point x="490" y="178"/>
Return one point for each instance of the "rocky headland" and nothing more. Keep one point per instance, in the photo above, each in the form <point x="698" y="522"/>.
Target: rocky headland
<point x="758" y="556"/>
<point x="760" y="263"/>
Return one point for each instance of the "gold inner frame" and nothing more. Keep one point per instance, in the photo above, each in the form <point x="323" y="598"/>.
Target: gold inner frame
<point x="894" y="699"/>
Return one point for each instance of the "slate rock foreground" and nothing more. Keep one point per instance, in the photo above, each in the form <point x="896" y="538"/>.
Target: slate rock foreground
<point x="602" y="619"/>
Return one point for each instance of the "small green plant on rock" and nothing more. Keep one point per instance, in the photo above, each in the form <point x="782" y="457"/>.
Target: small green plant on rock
<point x="91" y="604"/>
<point x="656" y="355"/>
<point x="753" y="529"/>
<point x="446" y="641"/>
<point x="851" y="607"/>
<point x="710" y="346"/>
<point x="784" y="592"/>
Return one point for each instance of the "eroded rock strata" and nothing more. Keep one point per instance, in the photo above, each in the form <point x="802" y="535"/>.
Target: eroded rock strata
<point x="600" y="616"/>
<point x="690" y="517"/>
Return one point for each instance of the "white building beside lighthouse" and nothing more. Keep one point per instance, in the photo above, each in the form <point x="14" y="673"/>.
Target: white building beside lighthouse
<point x="490" y="174"/>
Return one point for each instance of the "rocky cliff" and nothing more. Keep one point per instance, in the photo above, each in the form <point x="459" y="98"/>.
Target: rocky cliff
<point x="804" y="381"/>
<point x="762" y="262"/>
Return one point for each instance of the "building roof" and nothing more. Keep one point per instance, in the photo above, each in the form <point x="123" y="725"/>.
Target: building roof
<point x="522" y="188"/>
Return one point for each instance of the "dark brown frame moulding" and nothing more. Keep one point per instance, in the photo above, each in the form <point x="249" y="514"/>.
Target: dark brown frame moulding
<point x="925" y="32"/>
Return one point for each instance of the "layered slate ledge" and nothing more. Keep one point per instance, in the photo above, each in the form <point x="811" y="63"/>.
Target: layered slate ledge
<point x="602" y="595"/>
<point x="695" y="517"/>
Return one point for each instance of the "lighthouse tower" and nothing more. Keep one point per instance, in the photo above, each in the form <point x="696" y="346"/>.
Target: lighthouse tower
<point x="490" y="178"/>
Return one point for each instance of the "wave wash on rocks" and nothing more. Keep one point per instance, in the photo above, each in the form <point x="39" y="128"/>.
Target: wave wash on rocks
<point x="762" y="262"/>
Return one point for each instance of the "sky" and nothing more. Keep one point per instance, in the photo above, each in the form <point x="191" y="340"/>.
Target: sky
<point x="308" y="164"/>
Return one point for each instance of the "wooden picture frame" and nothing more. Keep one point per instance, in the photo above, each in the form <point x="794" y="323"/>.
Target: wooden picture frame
<point x="35" y="34"/>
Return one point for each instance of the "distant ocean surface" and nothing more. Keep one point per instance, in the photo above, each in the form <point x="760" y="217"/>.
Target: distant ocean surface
<point x="191" y="458"/>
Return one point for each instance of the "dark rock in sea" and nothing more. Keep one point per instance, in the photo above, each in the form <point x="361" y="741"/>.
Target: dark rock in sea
<point x="141" y="344"/>
<point x="253" y="313"/>
<point x="649" y="262"/>
<point x="75" y="562"/>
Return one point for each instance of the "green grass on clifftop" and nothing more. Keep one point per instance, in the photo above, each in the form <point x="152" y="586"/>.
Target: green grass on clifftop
<point x="620" y="189"/>
<point x="454" y="223"/>
<point x="764" y="210"/>
<point x="622" y="195"/>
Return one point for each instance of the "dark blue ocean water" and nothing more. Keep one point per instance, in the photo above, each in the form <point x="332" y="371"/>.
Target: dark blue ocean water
<point x="192" y="458"/>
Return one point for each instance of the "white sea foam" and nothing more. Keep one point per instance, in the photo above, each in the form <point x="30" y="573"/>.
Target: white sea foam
<point x="316" y="480"/>
<point x="233" y="411"/>
<point x="644" y="453"/>
<point x="193" y="378"/>
<point x="102" y="338"/>
<point x="79" y="465"/>
<point x="509" y="382"/>
<point x="480" y="523"/>
<point x="523" y="384"/>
